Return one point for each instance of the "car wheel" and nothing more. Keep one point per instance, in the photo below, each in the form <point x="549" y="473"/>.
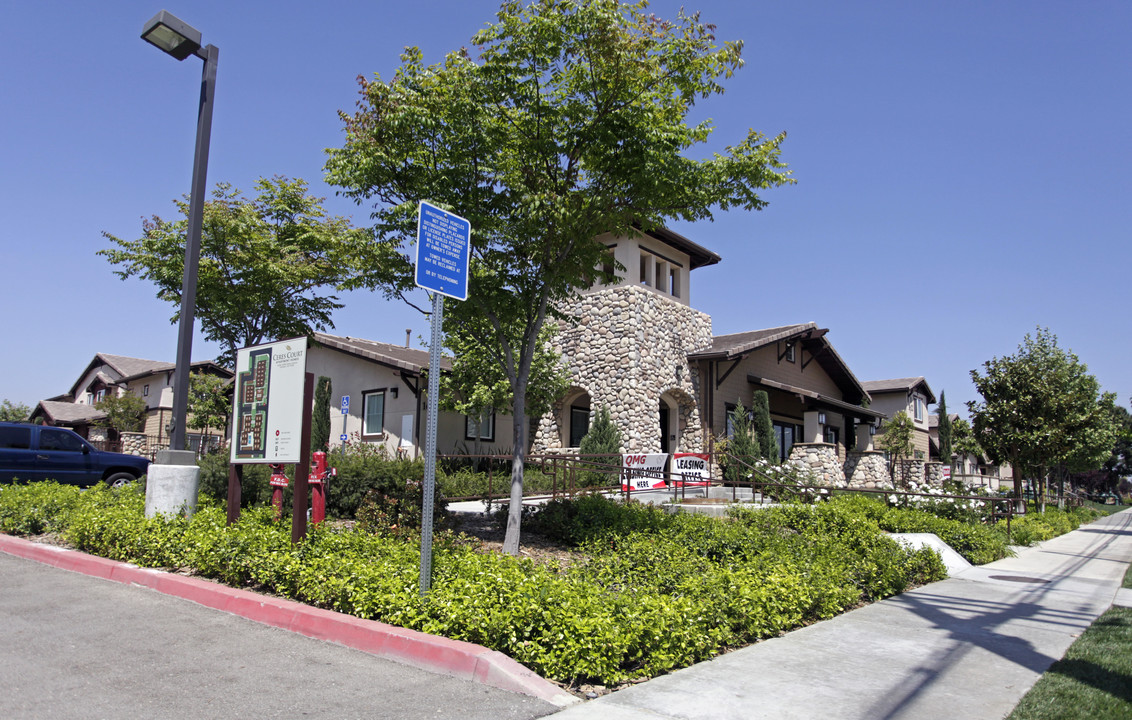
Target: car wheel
<point x="120" y="479"/>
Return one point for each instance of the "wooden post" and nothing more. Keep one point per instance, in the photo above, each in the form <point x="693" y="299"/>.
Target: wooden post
<point x="235" y="489"/>
<point x="303" y="469"/>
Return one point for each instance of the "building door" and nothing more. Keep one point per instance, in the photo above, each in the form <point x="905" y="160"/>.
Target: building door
<point x="665" y="428"/>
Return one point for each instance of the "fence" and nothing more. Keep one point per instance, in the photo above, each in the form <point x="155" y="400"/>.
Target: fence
<point x="570" y="475"/>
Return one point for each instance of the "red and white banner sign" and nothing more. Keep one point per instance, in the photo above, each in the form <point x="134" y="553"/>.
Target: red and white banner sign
<point x="643" y="471"/>
<point x="690" y="469"/>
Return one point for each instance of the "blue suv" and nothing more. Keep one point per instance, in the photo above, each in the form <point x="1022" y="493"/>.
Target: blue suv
<point x="36" y="452"/>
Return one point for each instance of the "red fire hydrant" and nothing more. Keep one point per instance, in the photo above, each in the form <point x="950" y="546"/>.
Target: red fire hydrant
<point x="320" y="473"/>
<point x="278" y="482"/>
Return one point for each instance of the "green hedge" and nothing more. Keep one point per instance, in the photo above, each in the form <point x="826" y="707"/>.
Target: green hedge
<point x="651" y="594"/>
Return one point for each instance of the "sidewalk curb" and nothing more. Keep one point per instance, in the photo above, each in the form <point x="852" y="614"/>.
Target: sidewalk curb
<point x="455" y="658"/>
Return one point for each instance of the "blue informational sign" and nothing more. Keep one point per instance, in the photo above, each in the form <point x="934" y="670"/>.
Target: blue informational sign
<point x="345" y="404"/>
<point x="444" y="242"/>
<point x="342" y="437"/>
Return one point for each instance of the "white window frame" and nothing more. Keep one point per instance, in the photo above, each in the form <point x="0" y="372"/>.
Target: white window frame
<point x="487" y="427"/>
<point x="367" y="397"/>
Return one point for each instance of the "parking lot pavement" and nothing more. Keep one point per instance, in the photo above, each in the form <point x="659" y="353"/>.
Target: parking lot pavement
<point x="80" y="647"/>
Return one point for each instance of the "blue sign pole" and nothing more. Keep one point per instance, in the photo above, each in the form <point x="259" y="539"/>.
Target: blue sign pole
<point x="444" y="244"/>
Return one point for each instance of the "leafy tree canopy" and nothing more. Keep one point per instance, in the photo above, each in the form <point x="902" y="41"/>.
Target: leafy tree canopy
<point x="123" y="413"/>
<point x="13" y="412"/>
<point x="897" y="438"/>
<point x="267" y="264"/>
<point x="570" y="123"/>
<point x="1042" y="409"/>
<point x="210" y="401"/>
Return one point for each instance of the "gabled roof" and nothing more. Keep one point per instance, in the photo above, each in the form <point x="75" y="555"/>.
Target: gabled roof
<point x="129" y="368"/>
<point x="397" y="357"/>
<point x="809" y="336"/>
<point x="66" y="413"/>
<point x="900" y="385"/>
<point x="737" y="344"/>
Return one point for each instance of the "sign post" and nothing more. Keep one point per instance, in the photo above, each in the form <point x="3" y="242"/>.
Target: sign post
<point x="345" y="415"/>
<point x="443" y="248"/>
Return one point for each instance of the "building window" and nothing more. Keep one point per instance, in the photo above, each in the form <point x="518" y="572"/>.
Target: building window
<point x="786" y="434"/>
<point x="728" y="423"/>
<point x="145" y="390"/>
<point x="831" y="435"/>
<point x="486" y="423"/>
<point x="674" y="282"/>
<point x="579" y="423"/>
<point x="646" y="262"/>
<point x="373" y="414"/>
<point x="790" y="352"/>
<point x="919" y="408"/>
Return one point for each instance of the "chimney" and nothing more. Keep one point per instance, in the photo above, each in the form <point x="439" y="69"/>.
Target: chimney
<point x="408" y="334"/>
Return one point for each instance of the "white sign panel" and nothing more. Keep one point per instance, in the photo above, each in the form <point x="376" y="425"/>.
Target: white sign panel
<point x="691" y="468"/>
<point x="267" y="406"/>
<point x="643" y="471"/>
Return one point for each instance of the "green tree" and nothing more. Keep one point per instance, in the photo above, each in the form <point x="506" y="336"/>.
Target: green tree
<point x="210" y="404"/>
<point x="897" y="440"/>
<point x="1041" y="409"/>
<point x="476" y="384"/>
<point x="570" y="123"/>
<point x="266" y="264"/>
<point x="14" y="412"/>
<point x="603" y="438"/>
<point x="763" y="427"/>
<point x="945" y="448"/>
<point x="124" y="413"/>
<point x="742" y="446"/>
<point x="963" y="439"/>
<point x="320" y="418"/>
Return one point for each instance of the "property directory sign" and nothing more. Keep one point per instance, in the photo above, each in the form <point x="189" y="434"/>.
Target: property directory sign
<point x="443" y="247"/>
<point x="267" y="406"/>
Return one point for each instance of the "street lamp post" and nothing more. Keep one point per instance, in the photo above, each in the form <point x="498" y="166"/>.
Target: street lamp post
<point x="179" y="39"/>
<point x="173" y="480"/>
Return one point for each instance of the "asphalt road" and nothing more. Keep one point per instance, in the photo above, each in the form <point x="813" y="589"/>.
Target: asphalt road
<point x="73" y="646"/>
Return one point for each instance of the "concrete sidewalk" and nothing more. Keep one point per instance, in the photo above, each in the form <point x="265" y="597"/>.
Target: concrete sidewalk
<point x="967" y="647"/>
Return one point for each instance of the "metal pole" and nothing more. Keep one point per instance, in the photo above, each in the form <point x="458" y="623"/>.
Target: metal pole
<point x="209" y="54"/>
<point x="429" y="488"/>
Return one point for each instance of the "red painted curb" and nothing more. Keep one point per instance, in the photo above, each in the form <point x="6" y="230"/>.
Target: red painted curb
<point x="455" y="658"/>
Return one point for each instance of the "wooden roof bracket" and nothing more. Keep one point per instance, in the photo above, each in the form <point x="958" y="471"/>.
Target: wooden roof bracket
<point x="719" y="380"/>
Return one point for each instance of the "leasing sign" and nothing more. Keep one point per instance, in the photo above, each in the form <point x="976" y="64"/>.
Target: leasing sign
<point x="643" y="471"/>
<point x="691" y="468"/>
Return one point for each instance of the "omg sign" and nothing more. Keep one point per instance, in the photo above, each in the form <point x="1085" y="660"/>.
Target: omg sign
<point x="643" y="471"/>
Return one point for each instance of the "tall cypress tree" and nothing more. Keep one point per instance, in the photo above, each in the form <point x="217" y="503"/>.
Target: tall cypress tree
<point x="320" y="420"/>
<point x="603" y="438"/>
<point x="742" y="447"/>
<point x="763" y="427"/>
<point x="944" y="430"/>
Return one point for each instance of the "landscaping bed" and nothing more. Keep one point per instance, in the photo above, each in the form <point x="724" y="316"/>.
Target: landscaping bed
<point x="605" y="594"/>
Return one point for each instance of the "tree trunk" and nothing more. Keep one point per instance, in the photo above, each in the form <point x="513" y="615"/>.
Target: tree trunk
<point x="519" y="427"/>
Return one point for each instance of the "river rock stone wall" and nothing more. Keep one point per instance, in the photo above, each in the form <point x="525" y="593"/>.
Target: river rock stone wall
<point x="134" y="444"/>
<point x="821" y="460"/>
<point x="933" y="473"/>
<point x="909" y="471"/>
<point x="627" y="347"/>
<point x="868" y="470"/>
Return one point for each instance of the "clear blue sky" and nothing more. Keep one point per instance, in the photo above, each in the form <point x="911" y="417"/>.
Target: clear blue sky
<point x="964" y="169"/>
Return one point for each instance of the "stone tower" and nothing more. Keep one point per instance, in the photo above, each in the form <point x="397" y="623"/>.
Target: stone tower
<point x="627" y="349"/>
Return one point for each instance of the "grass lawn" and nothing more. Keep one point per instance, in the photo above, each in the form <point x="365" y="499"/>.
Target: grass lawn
<point x="1094" y="679"/>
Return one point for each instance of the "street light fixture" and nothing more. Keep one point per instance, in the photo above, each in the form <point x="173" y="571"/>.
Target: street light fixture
<point x="179" y="39"/>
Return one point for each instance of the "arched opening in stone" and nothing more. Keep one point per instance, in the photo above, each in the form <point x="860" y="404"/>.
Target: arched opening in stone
<point x="575" y="420"/>
<point x="675" y="410"/>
